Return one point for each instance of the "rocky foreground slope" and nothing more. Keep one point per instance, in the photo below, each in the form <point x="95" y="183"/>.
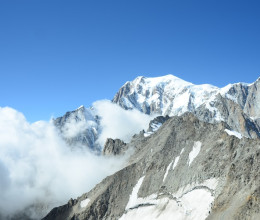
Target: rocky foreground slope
<point x="187" y="169"/>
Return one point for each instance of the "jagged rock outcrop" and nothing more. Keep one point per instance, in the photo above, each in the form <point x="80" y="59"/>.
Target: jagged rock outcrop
<point x="157" y="122"/>
<point x="188" y="169"/>
<point x="114" y="147"/>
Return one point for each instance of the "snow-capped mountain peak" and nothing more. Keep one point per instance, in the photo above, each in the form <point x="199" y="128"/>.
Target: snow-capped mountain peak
<point x="152" y="82"/>
<point x="163" y="95"/>
<point x="169" y="95"/>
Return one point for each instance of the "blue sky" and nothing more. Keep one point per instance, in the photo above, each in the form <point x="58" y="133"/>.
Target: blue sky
<point x="56" y="55"/>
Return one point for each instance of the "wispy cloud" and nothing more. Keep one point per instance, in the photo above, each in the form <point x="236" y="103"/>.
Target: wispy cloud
<point x="119" y="123"/>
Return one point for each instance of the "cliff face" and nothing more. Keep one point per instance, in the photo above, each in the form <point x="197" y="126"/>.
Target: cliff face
<point x="187" y="169"/>
<point x="114" y="147"/>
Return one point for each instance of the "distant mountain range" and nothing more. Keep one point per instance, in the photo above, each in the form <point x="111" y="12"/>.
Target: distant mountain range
<point x="236" y="104"/>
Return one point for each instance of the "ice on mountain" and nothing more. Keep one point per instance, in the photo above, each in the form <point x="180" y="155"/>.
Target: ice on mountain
<point x="133" y="197"/>
<point x="175" y="162"/>
<point x="234" y="133"/>
<point x="193" y="204"/>
<point x="167" y="170"/>
<point x="84" y="203"/>
<point x="80" y="107"/>
<point x="195" y="151"/>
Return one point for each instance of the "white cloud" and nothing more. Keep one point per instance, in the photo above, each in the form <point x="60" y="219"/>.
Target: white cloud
<point x="119" y="123"/>
<point x="37" y="165"/>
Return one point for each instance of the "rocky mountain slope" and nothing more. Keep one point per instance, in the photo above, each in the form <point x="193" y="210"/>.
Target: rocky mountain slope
<point x="187" y="169"/>
<point x="200" y="163"/>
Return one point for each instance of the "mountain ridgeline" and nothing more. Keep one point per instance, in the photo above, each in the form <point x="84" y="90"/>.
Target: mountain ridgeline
<point x="199" y="159"/>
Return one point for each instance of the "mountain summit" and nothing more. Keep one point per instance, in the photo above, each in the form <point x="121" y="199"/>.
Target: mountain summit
<point x="237" y="104"/>
<point x="166" y="95"/>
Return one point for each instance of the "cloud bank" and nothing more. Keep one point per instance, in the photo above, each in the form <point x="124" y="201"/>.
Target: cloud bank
<point x="119" y="123"/>
<point x="36" y="165"/>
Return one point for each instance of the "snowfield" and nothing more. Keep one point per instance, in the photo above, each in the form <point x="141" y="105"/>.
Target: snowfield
<point x="195" y="152"/>
<point x="193" y="204"/>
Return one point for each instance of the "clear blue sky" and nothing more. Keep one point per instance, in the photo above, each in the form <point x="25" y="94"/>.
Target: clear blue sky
<point x="56" y="55"/>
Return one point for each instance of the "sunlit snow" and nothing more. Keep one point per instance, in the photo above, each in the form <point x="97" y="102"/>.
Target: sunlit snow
<point x="84" y="203"/>
<point x="234" y="133"/>
<point x="133" y="197"/>
<point x="175" y="162"/>
<point x="194" y="204"/>
<point x="195" y="151"/>
<point x="167" y="170"/>
<point x="177" y="159"/>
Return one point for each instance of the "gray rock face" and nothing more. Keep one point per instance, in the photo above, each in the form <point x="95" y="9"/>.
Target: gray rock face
<point x="158" y="121"/>
<point x="252" y="104"/>
<point x="188" y="168"/>
<point x="114" y="147"/>
<point x="231" y="113"/>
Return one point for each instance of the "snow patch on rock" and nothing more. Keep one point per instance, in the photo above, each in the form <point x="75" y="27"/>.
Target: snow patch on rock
<point x="234" y="133"/>
<point x="195" y="151"/>
<point x="155" y="127"/>
<point x="175" y="162"/>
<point x="194" y="204"/>
<point x="177" y="159"/>
<point x="174" y="165"/>
<point x="133" y="197"/>
<point x="167" y="170"/>
<point x="84" y="203"/>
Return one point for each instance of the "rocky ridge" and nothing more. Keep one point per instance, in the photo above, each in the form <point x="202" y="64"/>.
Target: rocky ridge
<point x="186" y="162"/>
<point x="114" y="147"/>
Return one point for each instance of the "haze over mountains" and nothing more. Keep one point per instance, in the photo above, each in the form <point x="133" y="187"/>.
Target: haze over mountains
<point x="207" y="151"/>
